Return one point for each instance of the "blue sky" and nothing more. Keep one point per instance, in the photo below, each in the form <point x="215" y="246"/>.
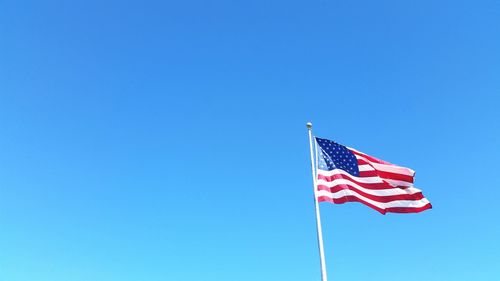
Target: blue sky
<point x="166" y="140"/>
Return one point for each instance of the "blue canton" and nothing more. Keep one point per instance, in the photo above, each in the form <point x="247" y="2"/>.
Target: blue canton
<point x="332" y="155"/>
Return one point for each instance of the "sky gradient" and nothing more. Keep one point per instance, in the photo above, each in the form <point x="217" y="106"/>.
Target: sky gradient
<point x="166" y="140"/>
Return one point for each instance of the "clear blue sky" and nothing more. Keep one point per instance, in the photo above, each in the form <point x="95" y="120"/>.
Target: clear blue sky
<point x="166" y="140"/>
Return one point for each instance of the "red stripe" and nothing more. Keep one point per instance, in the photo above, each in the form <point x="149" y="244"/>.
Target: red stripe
<point x="386" y="175"/>
<point x="371" y="158"/>
<point x="393" y="176"/>
<point x="381" y="199"/>
<point x="383" y="174"/>
<point x="345" y="199"/>
<point x="365" y="174"/>
<point x="363" y="162"/>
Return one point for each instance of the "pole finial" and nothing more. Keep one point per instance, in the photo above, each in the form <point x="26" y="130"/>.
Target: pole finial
<point x="309" y="125"/>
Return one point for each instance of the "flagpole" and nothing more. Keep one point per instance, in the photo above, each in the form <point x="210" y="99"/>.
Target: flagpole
<point x="316" y="207"/>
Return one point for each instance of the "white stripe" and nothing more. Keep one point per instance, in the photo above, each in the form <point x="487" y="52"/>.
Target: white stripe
<point x="342" y="172"/>
<point x="399" y="183"/>
<point x="389" y="168"/>
<point x="397" y="203"/>
<point x="365" y="167"/>
<point x="376" y="192"/>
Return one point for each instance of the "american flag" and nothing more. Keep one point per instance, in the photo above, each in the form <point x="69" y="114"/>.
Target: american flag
<point x="347" y="175"/>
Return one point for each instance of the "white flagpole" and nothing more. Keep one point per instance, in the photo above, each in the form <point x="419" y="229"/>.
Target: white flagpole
<point x="316" y="207"/>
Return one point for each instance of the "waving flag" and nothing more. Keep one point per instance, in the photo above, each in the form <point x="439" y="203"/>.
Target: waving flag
<point x="347" y="175"/>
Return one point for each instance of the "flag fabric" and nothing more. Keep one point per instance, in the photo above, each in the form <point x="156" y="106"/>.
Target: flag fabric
<point x="347" y="175"/>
